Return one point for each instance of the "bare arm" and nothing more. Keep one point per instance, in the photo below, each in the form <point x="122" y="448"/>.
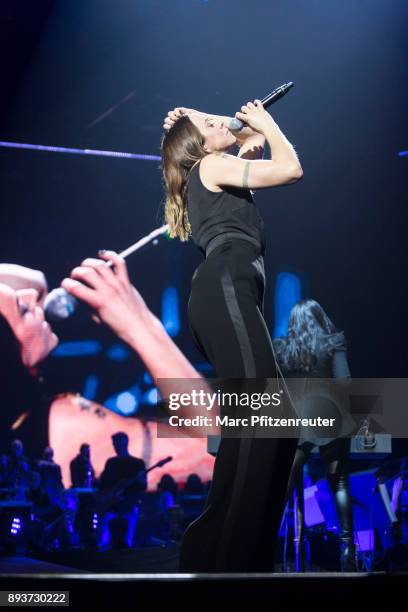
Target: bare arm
<point x="118" y="304"/>
<point x="251" y="146"/>
<point x="20" y="277"/>
<point x="251" y="143"/>
<point x="219" y="170"/>
<point x="122" y="308"/>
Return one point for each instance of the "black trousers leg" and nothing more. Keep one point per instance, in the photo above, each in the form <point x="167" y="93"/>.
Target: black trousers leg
<point x="336" y="456"/>
<point x="296" y="485"/>
<point x="238" y="528"/>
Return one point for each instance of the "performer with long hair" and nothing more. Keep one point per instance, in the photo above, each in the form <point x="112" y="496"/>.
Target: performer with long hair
<point x="315" y="348"/>
<point x="208" y="197"/>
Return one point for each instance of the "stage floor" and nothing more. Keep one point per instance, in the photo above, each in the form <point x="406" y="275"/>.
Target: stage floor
<point x="113" y="587"/>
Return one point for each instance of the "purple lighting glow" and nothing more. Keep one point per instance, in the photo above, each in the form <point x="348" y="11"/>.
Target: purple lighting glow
<point x="98" y="153"/>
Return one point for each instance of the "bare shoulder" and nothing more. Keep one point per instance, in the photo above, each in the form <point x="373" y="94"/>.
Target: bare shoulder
<point x="210" y="168"/>
<point x="213" y="160"/>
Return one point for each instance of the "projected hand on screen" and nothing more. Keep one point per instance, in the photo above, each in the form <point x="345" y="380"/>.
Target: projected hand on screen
<point x="108" y="290"/>
<point x="26" y="319"/>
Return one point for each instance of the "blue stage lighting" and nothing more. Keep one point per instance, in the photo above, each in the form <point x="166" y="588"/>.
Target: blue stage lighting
<point x="204" y="366"/>
<point x="83" y="348"/>
<point x="90" y="387"/>
<point x="147" y="379"/>
<point x="287" y="294"/>
<point x="97" y="152"/>
<point x="151" y="397"/>
<point x="170" y="311"/>
<point x="126" y="402"/>
<point x="118" y="352"/>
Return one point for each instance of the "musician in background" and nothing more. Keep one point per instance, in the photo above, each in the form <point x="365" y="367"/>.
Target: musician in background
<point x="82" y="472"/>
<point x="83" y="481"/>
<point x="400" y="500"/>
<point x="49" y="470"/>
<point x="315" y="348"/>
<point x="123" y="512"/>
<point x="3" y="470"/>
<point x="18" y="467"/>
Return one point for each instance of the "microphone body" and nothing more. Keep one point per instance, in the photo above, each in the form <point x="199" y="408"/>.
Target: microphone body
<point x="236" y="125"/>
<point x="59" y="304"/>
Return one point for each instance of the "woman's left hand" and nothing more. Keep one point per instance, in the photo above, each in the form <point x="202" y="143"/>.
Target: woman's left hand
<point x="109" y="292"/>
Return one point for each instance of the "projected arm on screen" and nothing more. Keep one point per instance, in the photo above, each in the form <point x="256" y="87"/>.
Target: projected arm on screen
<point x="25" y="317"/>
<point x="109" y="292"/>
<point x="20" y="277"/>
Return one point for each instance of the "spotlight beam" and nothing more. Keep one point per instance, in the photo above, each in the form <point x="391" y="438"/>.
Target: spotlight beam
<point x="97" y="152"/>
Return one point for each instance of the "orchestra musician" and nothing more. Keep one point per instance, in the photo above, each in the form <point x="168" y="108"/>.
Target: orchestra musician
<point x="117" y="524"/>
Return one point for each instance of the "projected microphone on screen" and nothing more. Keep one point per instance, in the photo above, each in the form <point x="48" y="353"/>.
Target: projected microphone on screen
<point x="59" y="304"/>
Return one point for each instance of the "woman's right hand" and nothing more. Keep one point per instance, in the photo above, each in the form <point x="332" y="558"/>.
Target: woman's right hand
<point x="110" y="293"/>
<point x="254" y="115"/>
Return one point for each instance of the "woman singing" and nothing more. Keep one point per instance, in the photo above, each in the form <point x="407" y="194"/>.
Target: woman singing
<point x="314" y="348"/>
<point x="208" y="197"/>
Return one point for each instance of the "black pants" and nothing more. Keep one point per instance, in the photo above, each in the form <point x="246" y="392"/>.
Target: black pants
<point x="238" y="528"/>
<point x="335" y="455"/>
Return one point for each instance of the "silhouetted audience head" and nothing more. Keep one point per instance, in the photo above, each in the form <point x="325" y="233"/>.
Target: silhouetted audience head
<point x="194" y="485"/>
<point x="120" y="441"/>
<point x="404" y="468"/>
<point x="17" y="448"/>
<point x="48" y="454"/>
<point x="167" y="483"/>
<point x="85" y="450"/>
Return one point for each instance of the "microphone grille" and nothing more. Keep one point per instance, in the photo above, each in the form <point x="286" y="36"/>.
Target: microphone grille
<point x="59" y="304"/>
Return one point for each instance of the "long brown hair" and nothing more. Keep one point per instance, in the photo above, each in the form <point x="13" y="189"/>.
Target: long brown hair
<point x="310" y="332"/>
<point x="181" y="147"/>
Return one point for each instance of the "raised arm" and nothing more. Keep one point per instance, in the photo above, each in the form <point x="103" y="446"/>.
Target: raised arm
<point x="20" y="277"/>
<point x="221" y="169"/>
<point x="251" y="143"/>
<point x="118" y="304"/>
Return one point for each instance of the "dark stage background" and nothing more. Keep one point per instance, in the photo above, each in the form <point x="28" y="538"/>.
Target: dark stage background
<point x="342" y="229"/>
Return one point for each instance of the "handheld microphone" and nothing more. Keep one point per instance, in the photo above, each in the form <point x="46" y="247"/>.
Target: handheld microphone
<point x="271" y="98"/>
<point x="59" y="304"/>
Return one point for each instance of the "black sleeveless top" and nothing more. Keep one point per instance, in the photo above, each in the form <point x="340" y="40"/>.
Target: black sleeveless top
<point x="212" y="213"/>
